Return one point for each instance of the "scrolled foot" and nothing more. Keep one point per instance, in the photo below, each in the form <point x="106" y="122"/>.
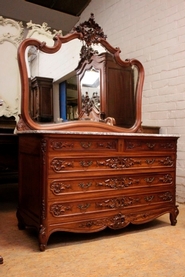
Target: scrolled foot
<point x="42" y="247"/>
<point x="1" y="260"/>
<point x="173" y="216"/>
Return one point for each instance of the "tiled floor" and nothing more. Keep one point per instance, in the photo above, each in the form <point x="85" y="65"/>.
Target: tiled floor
<point x="155" y="249"/>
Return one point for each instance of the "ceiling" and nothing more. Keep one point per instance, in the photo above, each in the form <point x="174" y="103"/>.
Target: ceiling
<point x="72" y="7"/>
<point x="58" y="14"/>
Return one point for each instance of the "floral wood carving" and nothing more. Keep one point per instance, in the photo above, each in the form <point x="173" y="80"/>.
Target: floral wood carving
<point x="118" y="183"/>
<point x="91" y="34"/>
<point x="58" y="164"/>
<point x="118" y="162"/>
<point x="43" y="150"/>
<point x="21" y="125"/>
<point x="59" y="209"/>
<point x="117" y="202"/>
<point x="168" y="161"/>
<point x="115" y="222"/>
<point x="42" y="231"/>
<point x="43" y="209"/>
<point x="86" y="53"/>
<point x="107" y="145"/>
<point x="59" y="187"/>
<point x="167" y="178"/>
<point x="91" y="31"/>
<point x="168" y="145"/>
<point x="167" y="196"/>
<point x="58" y="145"/>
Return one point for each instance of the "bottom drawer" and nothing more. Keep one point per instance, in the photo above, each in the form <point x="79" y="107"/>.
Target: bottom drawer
<point x="60" y="211"/>
<point x="115" y="219"/>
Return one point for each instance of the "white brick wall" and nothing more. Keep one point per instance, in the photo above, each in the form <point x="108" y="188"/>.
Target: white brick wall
<point x="152" y="31"/>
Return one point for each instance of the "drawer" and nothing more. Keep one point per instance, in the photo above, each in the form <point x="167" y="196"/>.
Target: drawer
<point x="80" y="145"/>
<point x="63" y="209"/>
<point x="112" y="219"/>
<point x="63" y="188"/>
<point x="146" y="144"/>
<point x="102" y="165"/>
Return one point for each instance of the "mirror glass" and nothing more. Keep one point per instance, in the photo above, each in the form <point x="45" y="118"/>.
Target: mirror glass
<point x="52" y="72"/>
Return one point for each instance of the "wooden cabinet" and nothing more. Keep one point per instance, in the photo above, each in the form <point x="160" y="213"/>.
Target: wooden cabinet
<point x="41" y="99"/>
<point x="85" y="182"/>
<point x="116" y="90"/>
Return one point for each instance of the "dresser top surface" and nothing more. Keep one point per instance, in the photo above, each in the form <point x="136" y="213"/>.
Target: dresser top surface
<point x="48" y="132"/>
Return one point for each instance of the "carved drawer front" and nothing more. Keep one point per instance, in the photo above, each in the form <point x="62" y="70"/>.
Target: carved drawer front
<point x="70" y="145"/>
<point x="63" y="209"/>
<point x="113" y="219"/>
<point x="132" y="145"/>
<point x="66" y="187"/>
<point x="96" y="164"/>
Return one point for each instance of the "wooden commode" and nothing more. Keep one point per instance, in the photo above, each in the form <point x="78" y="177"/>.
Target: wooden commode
<point x="85" y="182"/>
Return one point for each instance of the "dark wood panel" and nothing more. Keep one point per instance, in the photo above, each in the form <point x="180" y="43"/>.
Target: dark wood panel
<point x="8" y="158"/>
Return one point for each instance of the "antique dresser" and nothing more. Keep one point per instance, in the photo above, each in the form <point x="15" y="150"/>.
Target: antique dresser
<point x="85" y="182"/>
<point x="89" y="174"/>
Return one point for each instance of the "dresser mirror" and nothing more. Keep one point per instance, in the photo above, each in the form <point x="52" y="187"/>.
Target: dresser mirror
<point x="109" y="88"/>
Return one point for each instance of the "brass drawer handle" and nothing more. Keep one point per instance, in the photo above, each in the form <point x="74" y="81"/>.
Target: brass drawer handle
<point x="150" y="161"/>
<point x="85" y="144"/>
<point x="83" y="207"/>
<point x="151" y="145"/>
<point x="149" y="179"/>
<point x="86" y="163"/>
<point x="149" y="198"/>
<point x="85" y="186"/>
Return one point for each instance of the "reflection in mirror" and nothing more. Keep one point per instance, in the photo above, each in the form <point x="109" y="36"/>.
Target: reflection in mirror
<point x="54" y="69"/>
<point x="71" y="99"/>
<point x="90" y="92"/>
<point x="117" y="89"/>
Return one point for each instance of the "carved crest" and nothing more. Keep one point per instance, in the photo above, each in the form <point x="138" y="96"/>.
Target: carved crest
<point x="91" y="31"/>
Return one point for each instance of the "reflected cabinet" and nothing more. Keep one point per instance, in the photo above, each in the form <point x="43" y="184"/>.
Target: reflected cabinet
<point x="107" y="89"/>
<point x="41" y="99"/>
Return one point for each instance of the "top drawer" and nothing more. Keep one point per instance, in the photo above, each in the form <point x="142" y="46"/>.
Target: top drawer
<point x="150" y="144"/>
<point x="83" y="144"/>
<point x="111" y="144"/>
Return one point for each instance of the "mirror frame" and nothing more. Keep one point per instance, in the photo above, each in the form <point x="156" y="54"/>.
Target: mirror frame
<point x="82" y="33"/>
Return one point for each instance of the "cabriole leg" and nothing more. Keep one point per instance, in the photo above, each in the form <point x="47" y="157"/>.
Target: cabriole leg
<point x="43" y="238"/>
